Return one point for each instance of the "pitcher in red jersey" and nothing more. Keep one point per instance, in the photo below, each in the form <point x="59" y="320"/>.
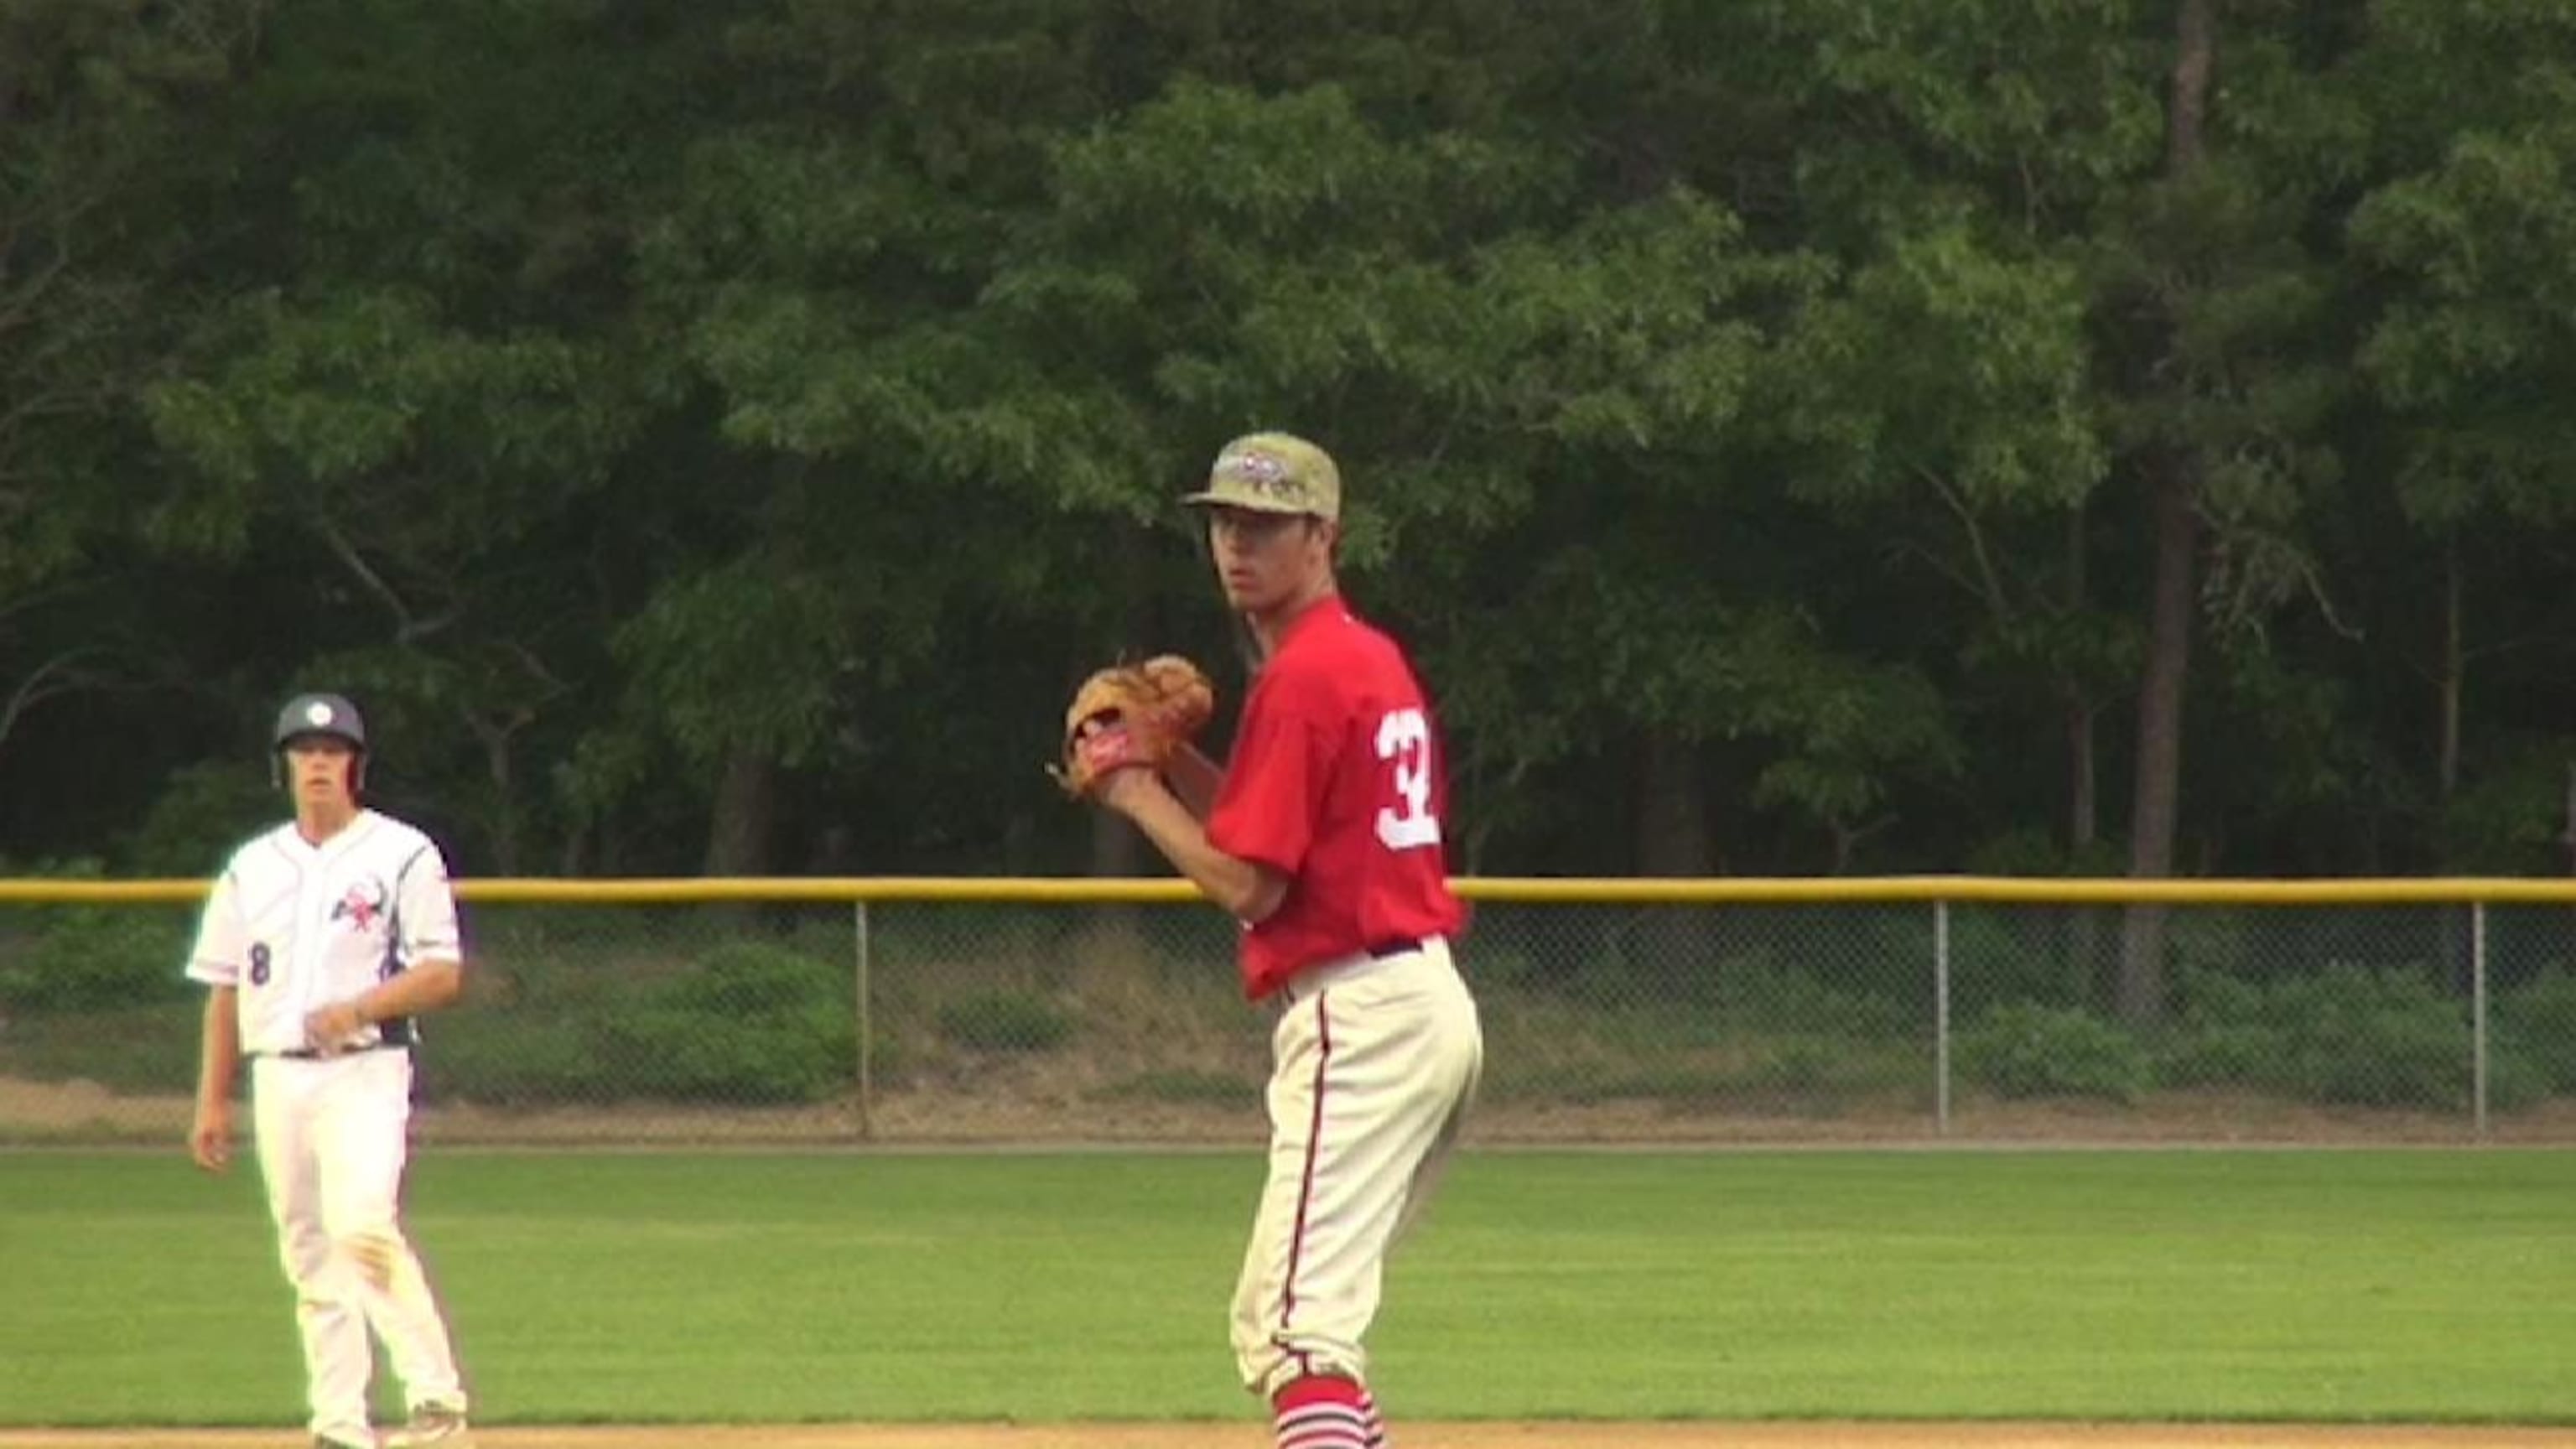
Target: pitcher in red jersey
<point x="1323" y="836"/>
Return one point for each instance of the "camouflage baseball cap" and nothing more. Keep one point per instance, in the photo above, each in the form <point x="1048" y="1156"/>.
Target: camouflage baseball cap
<point x="1274" y="473"/>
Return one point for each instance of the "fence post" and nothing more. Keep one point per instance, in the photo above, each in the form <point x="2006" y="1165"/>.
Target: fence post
<point x="1941" y="1018"/>
<point x="866" y="1025"/>
<point x="2478" y="1016"/>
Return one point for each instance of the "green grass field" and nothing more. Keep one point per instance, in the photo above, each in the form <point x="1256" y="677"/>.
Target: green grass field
<point x="2331" y="1285"/>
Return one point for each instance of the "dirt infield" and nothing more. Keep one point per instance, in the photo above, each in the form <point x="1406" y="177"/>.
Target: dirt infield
<point x="1035" y="1111"/>
<point x="1414" y="1436"/>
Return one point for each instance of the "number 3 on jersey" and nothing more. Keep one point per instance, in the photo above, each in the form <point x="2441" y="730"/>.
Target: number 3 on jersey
<point x="1404" y="739"/>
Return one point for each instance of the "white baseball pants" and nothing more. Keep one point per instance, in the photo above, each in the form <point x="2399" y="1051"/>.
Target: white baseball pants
<point x="333" y="1140"/>
<point x="1375" y="1062"/>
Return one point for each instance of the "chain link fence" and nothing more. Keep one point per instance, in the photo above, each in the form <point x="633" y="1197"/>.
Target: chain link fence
<point x="1614" y="1012"/>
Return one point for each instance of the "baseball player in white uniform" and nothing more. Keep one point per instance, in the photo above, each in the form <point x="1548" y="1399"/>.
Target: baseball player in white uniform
<point x="322" y="940"/>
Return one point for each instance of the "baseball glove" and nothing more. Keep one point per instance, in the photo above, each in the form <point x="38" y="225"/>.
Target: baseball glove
<point x="1131" y="716"/>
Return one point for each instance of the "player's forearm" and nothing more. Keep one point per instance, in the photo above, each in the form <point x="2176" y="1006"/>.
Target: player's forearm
<point x="423" y="987"/>
<point x="219" y="1054"/>
<point x="1194" y="779"/>
<point x="414" y="992"/>
<point x="1244" y="889"/>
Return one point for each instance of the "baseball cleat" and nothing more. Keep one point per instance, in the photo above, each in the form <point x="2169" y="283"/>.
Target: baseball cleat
<point x="432" y="1424"/>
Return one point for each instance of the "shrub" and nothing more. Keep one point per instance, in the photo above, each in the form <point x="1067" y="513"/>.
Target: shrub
<point x="2228" y="1030"/>
<point x="124" y="1049"/>
<point x="1754" y="994"/>
<point x="2376" y="1037"/>
<point x="2514" y="1079"/>
<point x="1814" y="1065"/>
<point x="86" y="958"/>
<point x="2210" y="943"/>
<point x="752" y="1023"/>
<point x="2231" y="1053"/>
<point x="1506" y="968"/>
<point x="1005" y="1021"/>
<point x="200" y="812"/>
<point x="2347" y="1034"/>
<point x="755" y="978"/>
<point x="2540" y="1020"/>
<point x="2001" y="959"/>
<point x="690" y="1056"/>
<point x="749" y="1023"/>
<point x="513" y="1059"/>
<point x="2046" y="1051"/>
<point x="2211" y="999"/>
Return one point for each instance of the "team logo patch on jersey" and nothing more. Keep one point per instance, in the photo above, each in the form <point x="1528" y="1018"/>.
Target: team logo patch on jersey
<point x="361" y="906"/>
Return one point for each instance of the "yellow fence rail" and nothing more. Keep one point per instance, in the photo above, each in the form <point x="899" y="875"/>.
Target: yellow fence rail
<point x="962" y="1009"/>
<point x="1527" y="890"/>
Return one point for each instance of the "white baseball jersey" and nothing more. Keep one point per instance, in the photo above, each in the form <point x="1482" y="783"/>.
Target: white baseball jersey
<point x="296" y="926"/>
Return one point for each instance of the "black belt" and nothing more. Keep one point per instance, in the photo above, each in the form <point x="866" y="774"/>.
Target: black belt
<point x="1400" y="946"/>
<point x="316" y="1054"/>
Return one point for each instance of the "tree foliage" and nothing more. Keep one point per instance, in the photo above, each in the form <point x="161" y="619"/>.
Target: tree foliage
<point x="715" y="435"/>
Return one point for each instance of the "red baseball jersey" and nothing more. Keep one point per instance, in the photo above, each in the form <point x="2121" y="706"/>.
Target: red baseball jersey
<point x="1336" y="782"/>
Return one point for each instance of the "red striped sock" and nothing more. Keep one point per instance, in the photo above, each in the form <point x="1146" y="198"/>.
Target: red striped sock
<point x="1376" y="1423"/>
<point x="1320" y="1413"/>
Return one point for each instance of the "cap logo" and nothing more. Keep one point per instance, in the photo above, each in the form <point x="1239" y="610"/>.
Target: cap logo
<point x="317" y="713"/>
<point x="1267" y="473"/>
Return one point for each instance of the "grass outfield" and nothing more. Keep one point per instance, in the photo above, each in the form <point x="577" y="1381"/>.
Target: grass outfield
<point x="2348" y="1285"/>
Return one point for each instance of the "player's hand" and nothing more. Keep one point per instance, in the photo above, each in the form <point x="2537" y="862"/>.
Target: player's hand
<point x="329" y="1028"/>
<point x="1119" y="789"/>
<point x="1128" y="717"/>
<point x="210" y="1137"/>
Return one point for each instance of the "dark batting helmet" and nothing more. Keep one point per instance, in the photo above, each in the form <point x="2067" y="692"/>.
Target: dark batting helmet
<point x="320" y="714"/>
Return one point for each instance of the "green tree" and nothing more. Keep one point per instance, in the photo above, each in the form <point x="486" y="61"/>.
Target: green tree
<point x="98" y="99"/>
<point x="2466" y="242"/>
<point x="417" y="379"/>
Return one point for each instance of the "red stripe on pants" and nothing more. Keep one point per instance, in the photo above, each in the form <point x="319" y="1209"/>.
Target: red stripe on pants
<point x="1306" y="1178"/>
